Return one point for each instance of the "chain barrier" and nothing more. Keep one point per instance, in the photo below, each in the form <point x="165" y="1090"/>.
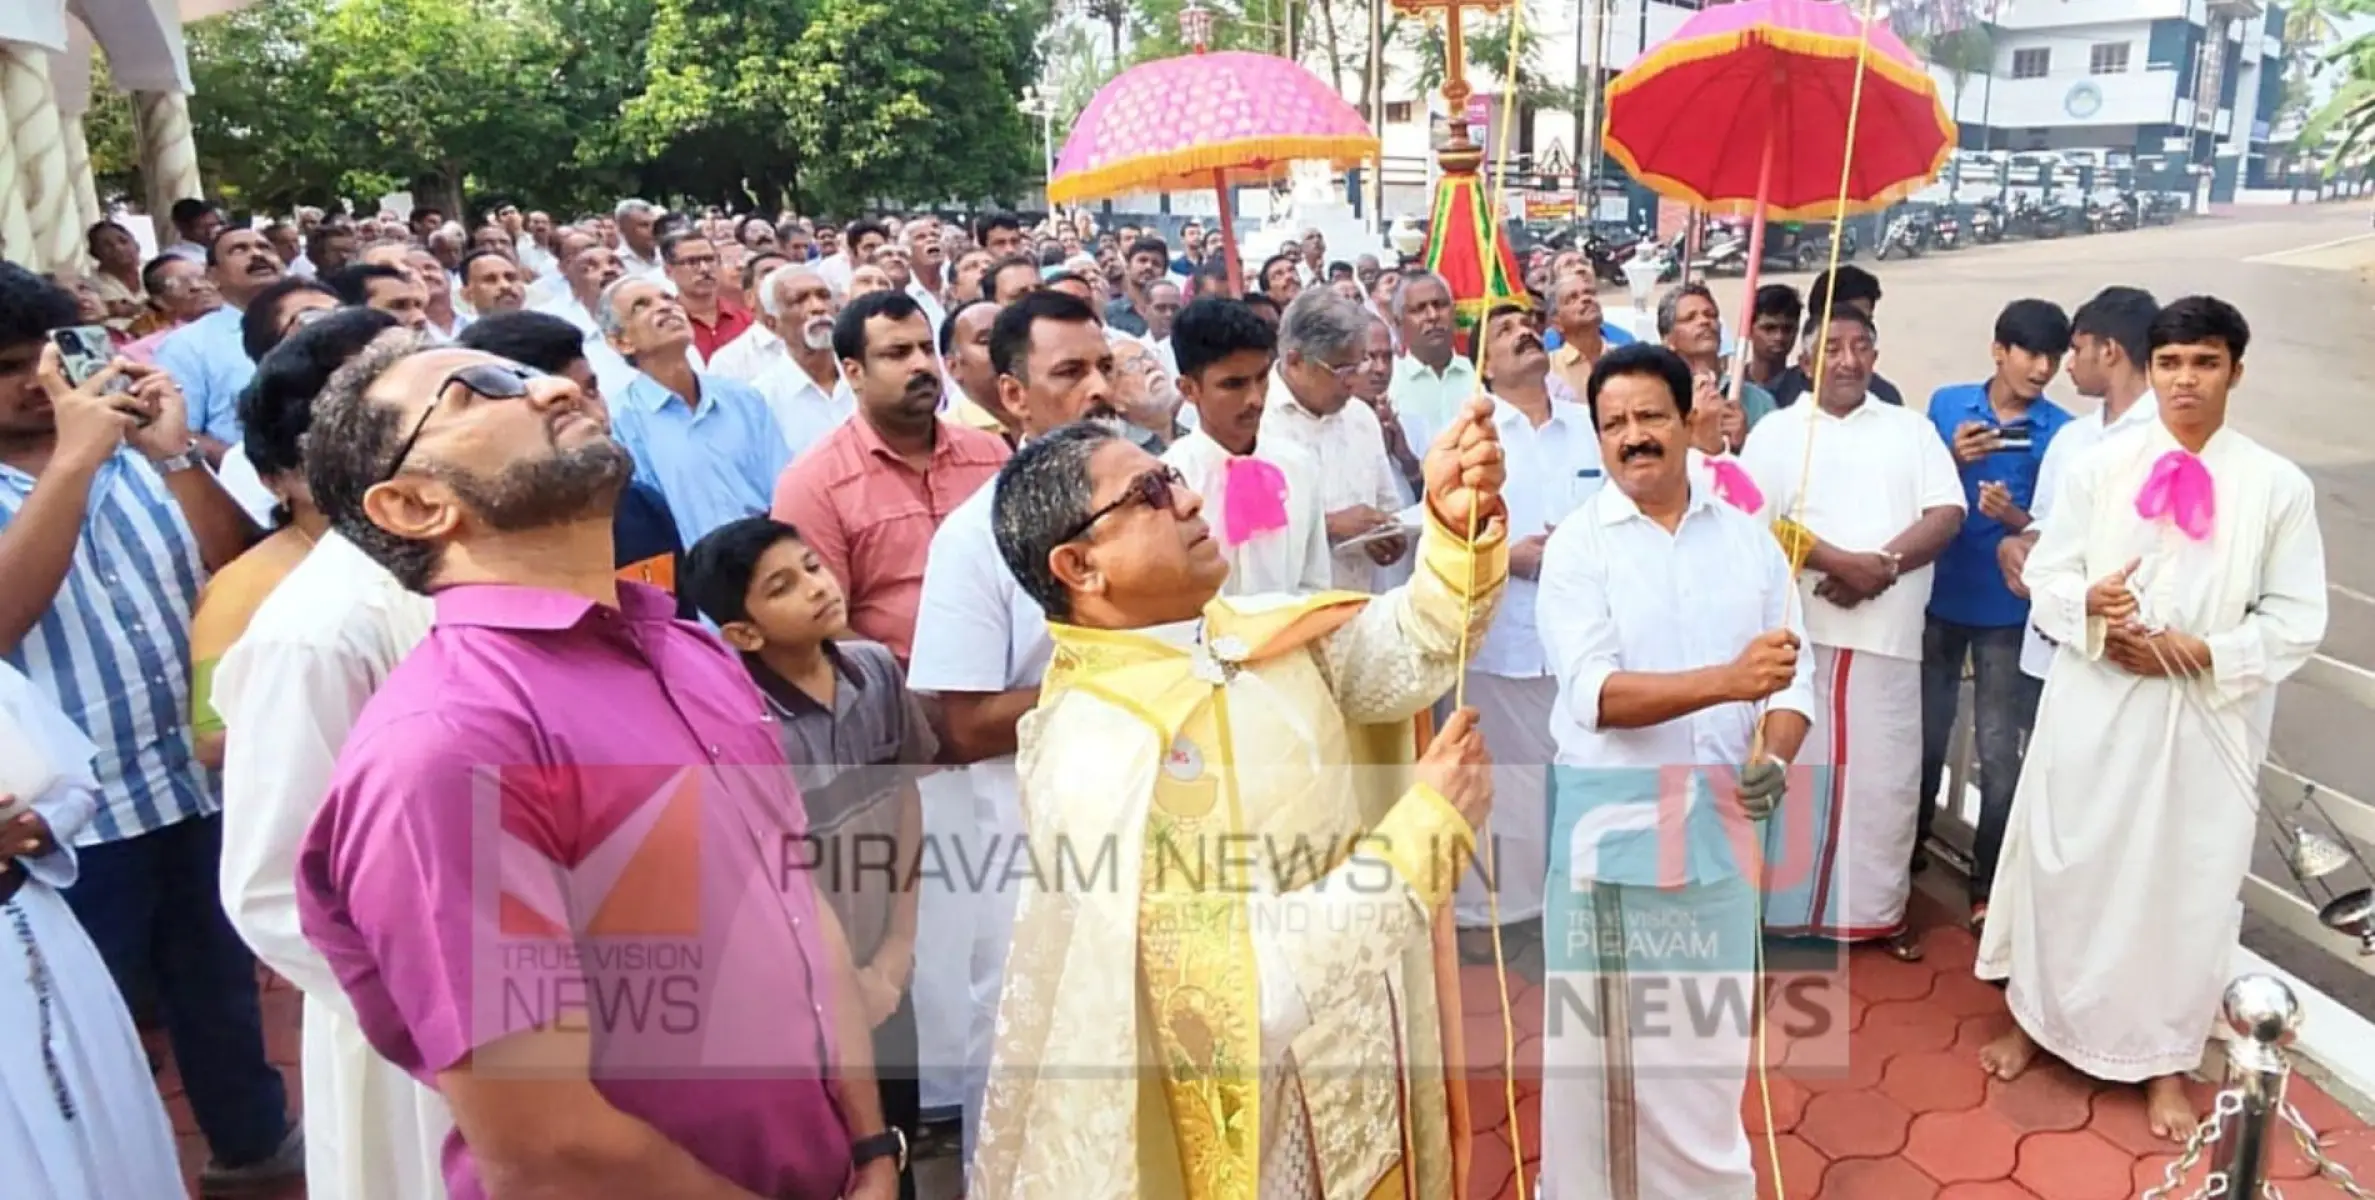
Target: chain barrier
<point x="2313" y="1149"/>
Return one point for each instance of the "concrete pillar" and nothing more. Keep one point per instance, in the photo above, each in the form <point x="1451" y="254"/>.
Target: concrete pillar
<point x="78" y="175"/>
<point x="168" y="156"/>
<point x="40" y="157"/>
<point x="16" y="229"/>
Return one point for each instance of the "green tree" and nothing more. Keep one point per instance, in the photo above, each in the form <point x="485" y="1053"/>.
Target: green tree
<point x="837" y="104"/>
<point x="2342" y="131"/>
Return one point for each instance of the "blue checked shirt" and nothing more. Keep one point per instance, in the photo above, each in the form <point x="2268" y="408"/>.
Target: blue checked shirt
<point x="113" y="651"/>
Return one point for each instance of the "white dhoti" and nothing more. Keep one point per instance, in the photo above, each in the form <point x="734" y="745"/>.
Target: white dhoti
<point x="998" y="817"/>
<point x="1840" y="857"/>
<point x="944" y="923"/>
<point x="1514" y="717"/>
<point x="1646" y="1042"/>
<point x="79" y="1113"/>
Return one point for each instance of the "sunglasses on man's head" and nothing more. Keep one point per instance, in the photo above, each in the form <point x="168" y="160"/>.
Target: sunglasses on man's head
<point x="495" y="381"/>
<point x="1152" y="489"/>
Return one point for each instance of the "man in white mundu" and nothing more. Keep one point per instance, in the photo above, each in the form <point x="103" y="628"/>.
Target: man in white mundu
<point x="2183" y="577"/>
<point x="1877" y="490"/>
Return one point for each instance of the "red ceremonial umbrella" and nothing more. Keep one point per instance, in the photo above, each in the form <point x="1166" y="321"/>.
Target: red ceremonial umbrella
<point x="1762" y="106"/>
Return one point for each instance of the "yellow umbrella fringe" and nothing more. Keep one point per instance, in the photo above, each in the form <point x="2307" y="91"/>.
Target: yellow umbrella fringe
<point x="1192" y="166"/>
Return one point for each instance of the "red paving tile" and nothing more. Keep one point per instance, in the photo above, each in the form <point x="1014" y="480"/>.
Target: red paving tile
<point x="1903" y="1121"/>
<point x="1910" y="1116"/>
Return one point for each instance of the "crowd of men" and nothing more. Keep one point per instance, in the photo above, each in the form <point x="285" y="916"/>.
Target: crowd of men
<point x="371" y="609"/>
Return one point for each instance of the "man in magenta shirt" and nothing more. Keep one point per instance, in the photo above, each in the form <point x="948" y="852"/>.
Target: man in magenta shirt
<point x="551" y="870"/>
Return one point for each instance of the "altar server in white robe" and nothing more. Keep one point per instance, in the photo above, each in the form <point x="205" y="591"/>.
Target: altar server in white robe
<point x="1554" y="465"/>
<point x="1668" y="618"/>
<point x="1877" y="489"/>
<point x="80" y="1118"/>
<point x="1262" y="498"/>
<point x="2183" y="577"/>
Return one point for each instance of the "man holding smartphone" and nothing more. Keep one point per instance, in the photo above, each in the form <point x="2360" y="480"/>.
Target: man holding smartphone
<point x="1998" y="431"/>
<point x="109" y="519"/>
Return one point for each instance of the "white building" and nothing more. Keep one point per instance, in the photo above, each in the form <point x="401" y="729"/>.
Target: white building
<point x="2117" y="77"/>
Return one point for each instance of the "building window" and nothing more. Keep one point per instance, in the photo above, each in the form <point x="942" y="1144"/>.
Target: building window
<point x="2032" y="64"/>
<point x="2107" y="58"/>
<point x="1397" y="112"/>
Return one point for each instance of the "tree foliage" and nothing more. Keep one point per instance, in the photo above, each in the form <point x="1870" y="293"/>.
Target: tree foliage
<point x="825" y="105"/>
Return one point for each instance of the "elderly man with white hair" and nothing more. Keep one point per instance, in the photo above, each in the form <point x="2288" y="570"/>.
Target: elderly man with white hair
<point x="1322" y="341"/>
<point x="639" y="240"/>
<point x="802" y="381"/>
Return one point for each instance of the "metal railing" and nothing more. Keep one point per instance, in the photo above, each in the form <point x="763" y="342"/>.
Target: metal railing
<point x="2273" y="897"/>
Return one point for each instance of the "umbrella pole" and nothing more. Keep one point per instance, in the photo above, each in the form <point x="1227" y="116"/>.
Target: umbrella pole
<point x="1228" y="234"/>
<point x="1756" y="263"/>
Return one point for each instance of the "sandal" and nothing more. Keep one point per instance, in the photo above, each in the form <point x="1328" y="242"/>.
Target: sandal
<point x="1904" y="947"/>
<point x="1978" y="921"/>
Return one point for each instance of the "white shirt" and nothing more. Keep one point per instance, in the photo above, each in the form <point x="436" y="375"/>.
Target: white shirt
<point x="924" y="299"/>
<point x="835" y="270"/>
<point x="638" y="267"/>
<point x="2068" y="448"/>
<point x="1619" y="593"/>
<point x="1871" y="474"/>
<point x="289" y="691"/>
<point x="804" y="411"/>
<point x="978" y="632"/>
<point x="1292" y="560"/>
<point x="750" y="354"/>
<point x="1552" y="469"/>
<point x="1348" y="448"/>
<point x="238" y="477"/>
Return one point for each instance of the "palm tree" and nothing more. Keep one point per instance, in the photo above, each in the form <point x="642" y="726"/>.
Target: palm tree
<point x="2343" y="130"/>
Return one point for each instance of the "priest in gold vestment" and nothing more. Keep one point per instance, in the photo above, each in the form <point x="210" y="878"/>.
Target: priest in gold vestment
<point x="1230" y="976"/>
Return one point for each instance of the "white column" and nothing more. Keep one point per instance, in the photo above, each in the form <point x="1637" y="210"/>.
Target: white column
<point x="78" y="174"/>
<point x="40" y="157"/>
<point x="16" y="229"/>
<point x="168" y="156"/>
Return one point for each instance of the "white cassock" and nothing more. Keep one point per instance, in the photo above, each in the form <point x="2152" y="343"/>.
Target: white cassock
<point x="79" y="1114"/>
<point x="1841" y="863"/>
<point x="2115" y="904"/>
<point x="1294" y="560"/>
<point x="289" y="690"/>
<point x="1552" y="468"/>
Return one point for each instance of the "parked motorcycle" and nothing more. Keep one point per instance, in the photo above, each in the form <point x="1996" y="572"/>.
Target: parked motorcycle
<point x="2162" y="208"/>
<point x="1907" y="234"/>
<point x="1948" y="231"/>
<point x="1987" y="222"/>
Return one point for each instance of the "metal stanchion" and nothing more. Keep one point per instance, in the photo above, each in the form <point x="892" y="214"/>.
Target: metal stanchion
<point x="2264" y="1016"/>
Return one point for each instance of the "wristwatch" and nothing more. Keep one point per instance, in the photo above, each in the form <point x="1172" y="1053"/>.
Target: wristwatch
<point x="891" y="1143"/>
<point x="190" y="456"/>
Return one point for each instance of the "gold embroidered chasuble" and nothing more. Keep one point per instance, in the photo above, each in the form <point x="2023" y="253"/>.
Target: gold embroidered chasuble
<point x="1224" y="982"/>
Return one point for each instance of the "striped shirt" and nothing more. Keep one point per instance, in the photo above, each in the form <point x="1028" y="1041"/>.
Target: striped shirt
<point x="113" y="651"/>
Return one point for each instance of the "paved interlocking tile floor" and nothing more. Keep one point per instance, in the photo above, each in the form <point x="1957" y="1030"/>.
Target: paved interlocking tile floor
<point x="1911" y="1117"/>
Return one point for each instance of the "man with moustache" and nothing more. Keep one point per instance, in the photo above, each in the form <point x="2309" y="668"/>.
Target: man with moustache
<point x="1691" y="325"/>
<point x="1874" y="495"/>
<point x="490" y="487"/>
<point x="207" y="357"/>
<point x="708" y="444"/>
<point x="981" y="643"/>
<point x="1431" y="379"/>
<point x="1321" y="343"/>
<point x="692" y="264"/>
<point x="869" y="496"/>
<point x="1584" y="331"/>
<point x="491" y="283"/>
<point x="588" y="268"/>
<point x="1667" y="620"/>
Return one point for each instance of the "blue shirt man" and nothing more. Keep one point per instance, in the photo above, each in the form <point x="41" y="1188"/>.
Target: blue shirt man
<point x="1969" y="588"/>
<point x="207" y="357"/>
<point x="713" y="459"/>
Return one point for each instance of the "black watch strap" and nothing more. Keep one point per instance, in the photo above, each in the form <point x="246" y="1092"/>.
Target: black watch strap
<point x="891" y="1143"/>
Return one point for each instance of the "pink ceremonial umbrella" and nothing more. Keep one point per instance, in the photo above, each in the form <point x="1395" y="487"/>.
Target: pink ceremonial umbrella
<point x="1201" y="120"/>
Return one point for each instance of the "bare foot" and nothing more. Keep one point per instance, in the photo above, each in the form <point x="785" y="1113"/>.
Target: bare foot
<point x="2168" y="1109"/>
<point x="2008" y="1056"/>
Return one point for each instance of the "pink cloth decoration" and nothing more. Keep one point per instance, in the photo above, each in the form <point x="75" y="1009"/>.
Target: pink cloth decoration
<point x="2179" y="488"/>
<point x="1733" y="485"/>
<point x="1253" y="500"/>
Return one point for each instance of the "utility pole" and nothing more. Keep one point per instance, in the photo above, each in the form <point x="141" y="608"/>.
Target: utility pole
<point x="1589" y="193"/>
<point x="1377" y="111"/>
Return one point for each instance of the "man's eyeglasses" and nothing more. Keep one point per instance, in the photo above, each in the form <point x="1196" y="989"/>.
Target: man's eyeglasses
<point x="495" y="381"/>
<point x="1152" y="489"/>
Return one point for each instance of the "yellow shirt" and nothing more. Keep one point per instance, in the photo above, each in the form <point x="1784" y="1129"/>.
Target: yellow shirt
<point x="225" y="605"/>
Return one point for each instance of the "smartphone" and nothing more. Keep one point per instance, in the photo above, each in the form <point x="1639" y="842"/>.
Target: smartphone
<point x="2018" y="437"/>
<point x="84" y="351"/>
